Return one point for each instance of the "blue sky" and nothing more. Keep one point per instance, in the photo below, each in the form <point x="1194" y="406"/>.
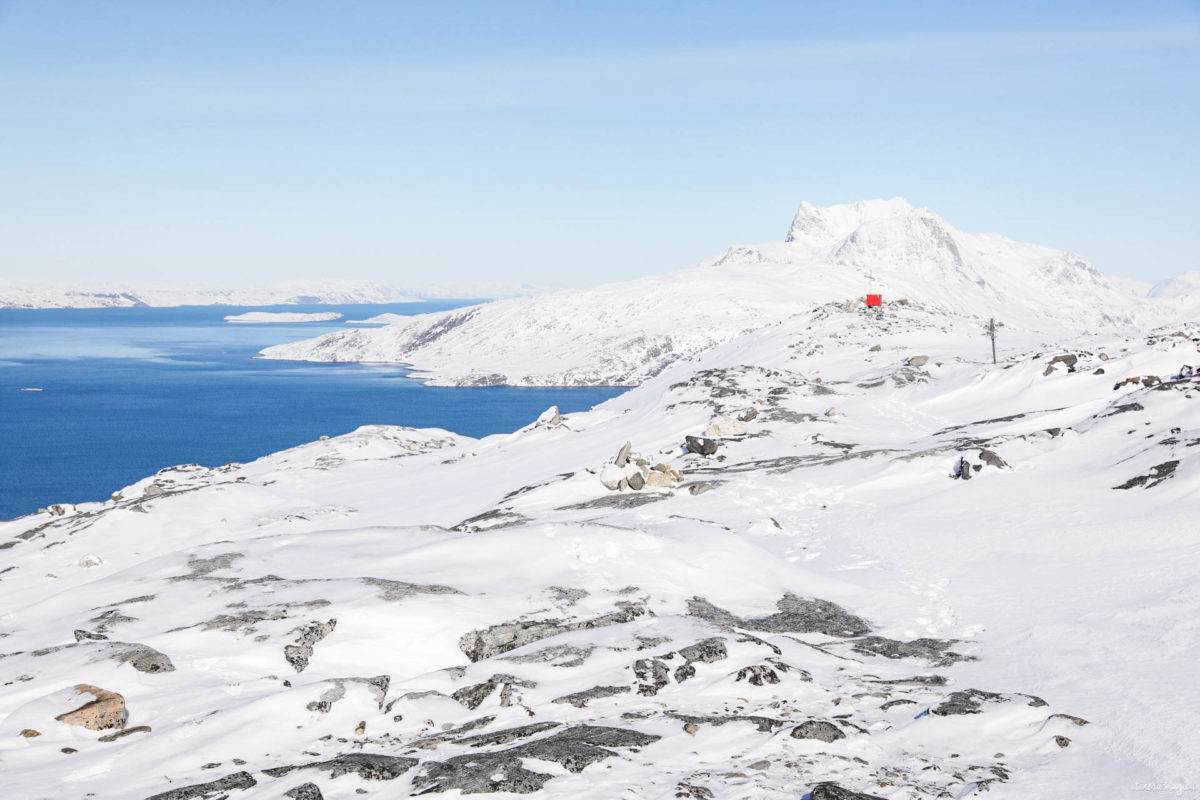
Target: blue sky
<point x="570" y="143"/>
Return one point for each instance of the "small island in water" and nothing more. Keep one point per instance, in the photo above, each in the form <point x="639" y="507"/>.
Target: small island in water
<point x="260" y="317"/>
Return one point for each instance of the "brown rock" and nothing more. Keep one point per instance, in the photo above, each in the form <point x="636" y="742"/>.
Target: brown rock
<point x="30" y="733"/>
<point x="105" y="712"/>
<point x="659" y="480"/>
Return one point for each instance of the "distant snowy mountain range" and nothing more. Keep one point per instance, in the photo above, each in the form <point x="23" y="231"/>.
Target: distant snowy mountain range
<point x="45" y="294"/>
<point x="627" y="332"/>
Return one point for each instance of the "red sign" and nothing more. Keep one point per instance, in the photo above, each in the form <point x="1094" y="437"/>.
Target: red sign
<point x="874" y="299"/>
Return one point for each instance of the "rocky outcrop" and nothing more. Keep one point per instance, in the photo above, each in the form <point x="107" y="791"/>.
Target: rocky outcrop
<point x="504" y="771"/>
<point x="301" y="651"/>
<point x="795" y="615"/>
<point x="831" y="791"/>
<point x="819" y="730"/>
<point x="481" y="644"/>
<point x="204" y="791"/>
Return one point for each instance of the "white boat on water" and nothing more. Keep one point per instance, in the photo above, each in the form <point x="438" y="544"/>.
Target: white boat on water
<point x="30" y="390"/>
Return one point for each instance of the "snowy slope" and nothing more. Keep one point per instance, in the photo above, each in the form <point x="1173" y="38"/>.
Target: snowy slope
<point x="625" y="333"/>
<point x="44" y="294"/>
<point x="819" y="600"/>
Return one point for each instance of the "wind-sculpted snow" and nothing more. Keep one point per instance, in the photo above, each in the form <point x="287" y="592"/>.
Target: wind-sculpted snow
<point x="624" y="334"/>
<point x="899" y="571"/>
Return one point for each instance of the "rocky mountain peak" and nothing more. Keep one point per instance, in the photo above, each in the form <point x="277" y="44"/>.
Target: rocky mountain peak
<point x="822" y="227"/>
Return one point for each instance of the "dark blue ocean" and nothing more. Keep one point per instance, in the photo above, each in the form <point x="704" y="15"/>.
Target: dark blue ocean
<point x="128" y="391"/>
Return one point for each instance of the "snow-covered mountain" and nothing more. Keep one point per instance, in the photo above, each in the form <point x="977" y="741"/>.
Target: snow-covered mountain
<point x="628" y="332"/>
<point x="45" y="294"/>
<point x="881" y="567"/>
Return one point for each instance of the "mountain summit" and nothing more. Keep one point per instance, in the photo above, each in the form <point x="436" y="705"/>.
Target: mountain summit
<point x="626" y="332"/>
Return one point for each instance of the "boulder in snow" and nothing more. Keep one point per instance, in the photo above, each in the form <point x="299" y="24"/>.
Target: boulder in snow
<point x="104" y="711"/>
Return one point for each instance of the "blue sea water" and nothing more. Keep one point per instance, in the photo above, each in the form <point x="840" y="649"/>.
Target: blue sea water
<point x="128" y="391"/>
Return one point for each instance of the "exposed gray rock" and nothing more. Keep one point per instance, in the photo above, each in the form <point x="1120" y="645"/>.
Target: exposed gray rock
<point x="684" y="672"/>
<point x="580" y="699"/>
<point x="917" y="361"/>
<point x="763" y="724"/>
<point x="706" y="650"/>
<point x="817" y="729"/>
<point x="563" y="655"/>
<point x="473" y="696"/>
<point x="394" y="591"/>
<point x="831" y="791"/>
<point x="894" y="703"/>
<point x="298" y="654"/>
<point x="916" y="680"/>
<point x="574" y="749"/>
<point x="971" y="701"/>
<point x="796" y="615"/>
<point x="141" y="657"/>
<point x="758" y="675"/>
<point x="618" y="500"/>
<point x="748" y="415"/>
<point x="1158" y="474"/>
<point x="112" y="737"/>
<point x="508" y="735"/>
<point x="368" y="766"/>
<point x="238" y="780"/>
<point x="935" y="651"/>
<point x="968" y="701"/>
<point x="201" y="567"/>
<point x="623" y="455"/>
<point x="700" y="446"/>
<point x="305" y="791"/>
<point x="636" y="481"/>
<point x="478" y="645"/>
<point x="1068" y="360"/>
<point x="652" y="674"/>
<point x="991" y="459"/>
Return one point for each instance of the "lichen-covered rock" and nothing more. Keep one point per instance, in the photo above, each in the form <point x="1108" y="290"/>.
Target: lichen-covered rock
<point x="935" y="651"/>
<point x="831" y="791"/>
<point x="652" y="674"/>
<point x="238" y="780"/>
<point x="817" y="729"/>
<point x="305" y="791"/>
<point x="298" y="654"/>
<point x="707" y="650"/>
<point x="795" y="615"/>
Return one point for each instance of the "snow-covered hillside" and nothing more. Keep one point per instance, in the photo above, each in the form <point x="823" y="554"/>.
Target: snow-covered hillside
<point x="625" y="333"/>
<point x="45" y="294"/>
<point x="881" y="567"/>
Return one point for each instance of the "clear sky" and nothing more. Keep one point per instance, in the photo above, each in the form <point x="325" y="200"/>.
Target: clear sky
<point x="572" y="143"/>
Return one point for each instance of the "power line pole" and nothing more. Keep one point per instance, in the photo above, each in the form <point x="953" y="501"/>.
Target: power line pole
<point x="992" y="335"/>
